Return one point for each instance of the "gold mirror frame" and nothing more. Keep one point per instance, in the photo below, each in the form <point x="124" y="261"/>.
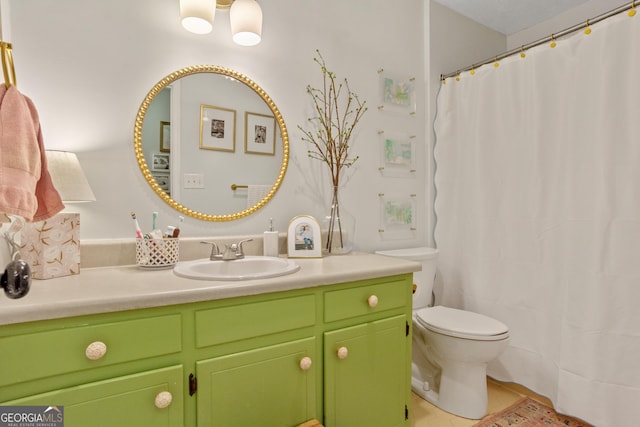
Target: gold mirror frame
<point x="144" y="167"/>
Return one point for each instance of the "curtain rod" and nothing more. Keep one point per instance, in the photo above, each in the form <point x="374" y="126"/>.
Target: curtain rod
<point x="547" y="39"/>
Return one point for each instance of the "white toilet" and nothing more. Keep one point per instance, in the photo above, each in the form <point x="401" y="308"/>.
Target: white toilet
<point x="451" y="347"/>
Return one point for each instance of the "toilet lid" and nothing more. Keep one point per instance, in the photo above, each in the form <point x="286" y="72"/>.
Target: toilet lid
<point x="461" y="324"/>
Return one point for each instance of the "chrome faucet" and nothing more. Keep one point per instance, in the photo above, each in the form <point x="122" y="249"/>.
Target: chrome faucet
<point x="234" y="251"/>
<point x="231" y="252"/>
<point x="215" y="252"/>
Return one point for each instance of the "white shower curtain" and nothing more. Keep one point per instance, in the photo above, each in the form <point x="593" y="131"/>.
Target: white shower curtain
<point x="538" y="215"/>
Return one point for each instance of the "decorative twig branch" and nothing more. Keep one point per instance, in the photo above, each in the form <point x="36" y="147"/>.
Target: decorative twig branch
<point x="333" y="123"/>
<point x="337" y="112"/>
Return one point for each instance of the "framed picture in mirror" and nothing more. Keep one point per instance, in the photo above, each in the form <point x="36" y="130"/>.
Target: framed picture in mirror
<point x="304" y="237"/>
<point x="165" y="137"/>
<point x="160" y="163"/>
<point x="163" y="180"/>
<point x="217" y="128"/>
<point x="259" y="134"/>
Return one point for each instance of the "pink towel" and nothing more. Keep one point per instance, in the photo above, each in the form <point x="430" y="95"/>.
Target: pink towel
<point x="26" y="188"/>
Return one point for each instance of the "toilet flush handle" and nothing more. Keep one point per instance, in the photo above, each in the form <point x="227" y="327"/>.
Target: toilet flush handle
<point x="372" y="301"/>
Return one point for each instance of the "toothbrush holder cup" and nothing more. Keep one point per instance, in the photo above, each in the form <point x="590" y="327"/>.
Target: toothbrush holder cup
<point x="157" y="253"/>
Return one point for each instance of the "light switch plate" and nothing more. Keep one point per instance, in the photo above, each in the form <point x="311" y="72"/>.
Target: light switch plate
<point x="193" y="180"/>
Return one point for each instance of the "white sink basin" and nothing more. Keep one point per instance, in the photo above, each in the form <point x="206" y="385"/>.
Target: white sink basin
<point x="247" y="268"/>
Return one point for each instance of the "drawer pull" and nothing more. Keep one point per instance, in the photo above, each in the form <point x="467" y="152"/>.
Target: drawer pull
<point x="96" y="350"/>
<point x="163" y="399"/>
<point x="343" y="352"/>
<point x="372" y="301"/>
<point x="305" y="363"/>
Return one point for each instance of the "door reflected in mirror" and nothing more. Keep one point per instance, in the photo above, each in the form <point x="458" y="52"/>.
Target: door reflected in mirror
<point x="211" y="143"/>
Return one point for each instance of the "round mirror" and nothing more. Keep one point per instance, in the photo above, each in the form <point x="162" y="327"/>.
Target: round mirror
<point x="211" y="143"/>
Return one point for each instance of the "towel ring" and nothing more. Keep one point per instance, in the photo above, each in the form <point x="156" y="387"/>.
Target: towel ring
<point x="7" y="64"/>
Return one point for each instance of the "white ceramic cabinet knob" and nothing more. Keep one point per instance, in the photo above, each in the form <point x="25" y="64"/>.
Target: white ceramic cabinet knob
<point x="372" y="301"/>
<point x="305" y="363"/>
<point x="343" y="352"/>
<point x="163" y="399"/>
<point x="96" y="350"/>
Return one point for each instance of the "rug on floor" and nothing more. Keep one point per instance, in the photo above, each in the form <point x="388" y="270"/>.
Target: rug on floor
<point x="529" y="413"/>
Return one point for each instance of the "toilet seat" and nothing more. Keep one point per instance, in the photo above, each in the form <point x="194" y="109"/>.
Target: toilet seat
<point x="461" y="324"/>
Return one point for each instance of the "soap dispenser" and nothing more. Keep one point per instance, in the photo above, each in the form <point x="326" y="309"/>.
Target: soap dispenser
<point x="270" y="241"/>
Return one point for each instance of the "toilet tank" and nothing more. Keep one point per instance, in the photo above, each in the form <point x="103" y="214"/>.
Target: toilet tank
<point x="422" y="279"/>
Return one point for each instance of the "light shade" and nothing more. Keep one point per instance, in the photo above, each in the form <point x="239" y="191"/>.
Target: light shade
<point x="246" y="22"/>
<point x="68" y="177"/>
<point x="197" y="15"/>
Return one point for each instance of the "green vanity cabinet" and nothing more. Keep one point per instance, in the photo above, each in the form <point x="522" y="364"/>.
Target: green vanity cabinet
<point x="106" y="370"/>
<point x="268" y="360"/>
<point x="367" y="366"/>
<point x="267" y="387"/>
<point x="265" y="374"/>
<point x="364" y="370"/>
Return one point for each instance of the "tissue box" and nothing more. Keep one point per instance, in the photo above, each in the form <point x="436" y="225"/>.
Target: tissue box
<point x="52" y="247"/>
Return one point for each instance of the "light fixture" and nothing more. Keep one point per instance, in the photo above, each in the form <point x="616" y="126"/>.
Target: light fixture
<point x="52" y="247"/>
<point x="245" y="18"/>
<point x="197" y="15"/>
<point x="246" y="22"/>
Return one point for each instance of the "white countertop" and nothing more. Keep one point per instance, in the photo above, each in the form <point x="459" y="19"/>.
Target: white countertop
<point x="108" y="289"/>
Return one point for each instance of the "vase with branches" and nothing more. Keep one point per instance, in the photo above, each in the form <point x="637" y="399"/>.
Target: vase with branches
<point x="337" y="111"/>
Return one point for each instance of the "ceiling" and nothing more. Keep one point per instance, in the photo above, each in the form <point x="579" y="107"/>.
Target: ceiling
<point x="510" y="16"/>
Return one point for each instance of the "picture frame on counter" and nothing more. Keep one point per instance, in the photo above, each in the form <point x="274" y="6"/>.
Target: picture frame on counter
<point x="304" y="238"/>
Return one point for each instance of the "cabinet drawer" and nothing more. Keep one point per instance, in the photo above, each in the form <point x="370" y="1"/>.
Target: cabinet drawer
<point x="346" y="303"/>
<point x="60" y="351"/>
<point x="242" y="321"/>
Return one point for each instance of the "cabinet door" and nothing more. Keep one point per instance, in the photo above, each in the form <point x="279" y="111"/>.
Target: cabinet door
<point x="118" y="402"/>
<point x="267" y="387"/>
<point x="366" y="381"/>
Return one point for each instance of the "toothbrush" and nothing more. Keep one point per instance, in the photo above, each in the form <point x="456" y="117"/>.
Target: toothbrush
<point x="135" y="221"/>
<point x="155" y="217"/>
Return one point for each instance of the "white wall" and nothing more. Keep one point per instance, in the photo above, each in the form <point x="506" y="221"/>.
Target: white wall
<point x="89" y="64"/>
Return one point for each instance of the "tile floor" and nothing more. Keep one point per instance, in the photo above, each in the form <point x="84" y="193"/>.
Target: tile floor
<point x="424" y="414"/>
